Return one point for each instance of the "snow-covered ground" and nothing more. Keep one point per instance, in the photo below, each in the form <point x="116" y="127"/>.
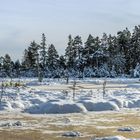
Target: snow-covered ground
<point x="52" y="110"/>
<point x="56" y="97"/>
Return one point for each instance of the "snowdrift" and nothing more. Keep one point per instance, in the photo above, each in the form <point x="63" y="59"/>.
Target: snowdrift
<point x="111" y="138"/>
<point x="57" y="107"/>
<point x="134" y="104"/>
<point x="62" y="107"/>
<point x="99" y="106"/>
<point x="38" y="100"/>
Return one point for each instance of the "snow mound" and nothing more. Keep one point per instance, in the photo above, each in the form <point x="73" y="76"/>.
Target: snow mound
<point x="119" y="102"/>
<point x="5" y="105"/>
<point x="111" y="138"/>
<point x="57" y="107"/>
<point x="134" y="104"/>
<point x="126" y="129"/>
<point x="99" y="106"/>
<point x="11" y="124"/>
<point x="72" y="134"/>
<point x="33" y="83"/>
<point x="17" y="105"/>
<point x="37" y="100"/>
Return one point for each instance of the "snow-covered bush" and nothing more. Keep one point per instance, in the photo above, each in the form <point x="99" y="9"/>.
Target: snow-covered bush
<point x="136" y="72"/>
<point x="102" y="71"/>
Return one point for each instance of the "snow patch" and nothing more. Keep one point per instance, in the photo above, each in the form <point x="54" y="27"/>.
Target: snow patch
<point x="72" y="134"/>
<point x="126" y="129"/>
<point x="111" y="138"/>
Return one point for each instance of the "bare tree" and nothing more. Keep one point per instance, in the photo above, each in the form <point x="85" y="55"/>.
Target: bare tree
<point x="65" y="92"/>
<point x="2" y="91"/>
<point x="67" y="76"/>
<point x="104" y="88"/>
<point x="74" y="88"/>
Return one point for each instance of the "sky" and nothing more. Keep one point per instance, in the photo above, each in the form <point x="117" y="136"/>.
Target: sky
<point x="22" y="21"/>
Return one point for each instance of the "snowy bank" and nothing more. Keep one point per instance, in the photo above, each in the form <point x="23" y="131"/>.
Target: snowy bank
<point x="57" y="107"/>
<point x="51" y="98"/>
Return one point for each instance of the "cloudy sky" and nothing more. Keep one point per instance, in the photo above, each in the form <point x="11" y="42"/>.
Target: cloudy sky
<point x="22" y="21"/>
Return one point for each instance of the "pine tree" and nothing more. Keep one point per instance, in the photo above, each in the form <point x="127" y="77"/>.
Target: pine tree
<point x="62" y="65"/>
<point x="43" y="52"/>
<point x="97" y="52"/>
<point x="78" y="54"/>
<point x="102" y="56"/>
<point x="117" y="59"/>
<point x="106" y="56"/>
<point x="135" y="47"/>
<point x="2" y="69"/>
<point x="30" y="59"/>
<point x="69" y="54"/>
<point x="123" y="38"/>
<point x="17" y="67"/>
<point x="77" y="46"/>
<point x="35" y="58"/>
<point x="52" y="59"/>
<point x="34" y="52"/>
<point x="104" y="44"/>
<point x="89" y="50"/>
<point x="8" y="65"/>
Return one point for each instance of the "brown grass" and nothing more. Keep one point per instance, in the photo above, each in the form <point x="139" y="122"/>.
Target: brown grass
<point x="51" y="127"/>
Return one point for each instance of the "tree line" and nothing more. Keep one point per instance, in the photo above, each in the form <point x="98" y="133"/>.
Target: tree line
<point x="106" y="56"/>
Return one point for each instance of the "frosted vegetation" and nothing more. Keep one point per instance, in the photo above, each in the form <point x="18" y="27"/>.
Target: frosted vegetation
<point x="106" y="56"/>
